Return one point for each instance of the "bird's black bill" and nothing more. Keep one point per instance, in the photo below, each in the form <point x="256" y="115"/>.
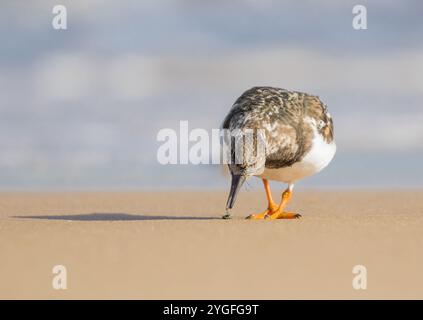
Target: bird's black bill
<point x="237" y="182"/>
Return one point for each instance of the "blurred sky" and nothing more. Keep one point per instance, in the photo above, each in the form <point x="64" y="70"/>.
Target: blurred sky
<point x="81" y="108"/>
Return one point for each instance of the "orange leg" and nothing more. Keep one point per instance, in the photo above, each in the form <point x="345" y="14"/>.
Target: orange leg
<point x="280" y="213"/>
<point x="271" y="207"/>
<point x="273" y="211"/>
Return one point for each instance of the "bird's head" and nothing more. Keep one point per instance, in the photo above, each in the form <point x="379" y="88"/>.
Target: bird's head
<point x="236" y="184"/>
<point x="251" y="165"/>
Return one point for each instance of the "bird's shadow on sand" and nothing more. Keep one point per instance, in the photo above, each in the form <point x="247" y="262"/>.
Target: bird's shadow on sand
<point x="113" y="217"/>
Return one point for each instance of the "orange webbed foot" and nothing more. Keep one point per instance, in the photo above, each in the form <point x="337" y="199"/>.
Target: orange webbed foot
<point x="265" y="214"/>
<point x="284" y="215"/>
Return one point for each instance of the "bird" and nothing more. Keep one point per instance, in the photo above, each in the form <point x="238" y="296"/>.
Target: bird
<point x="296" y="134"/>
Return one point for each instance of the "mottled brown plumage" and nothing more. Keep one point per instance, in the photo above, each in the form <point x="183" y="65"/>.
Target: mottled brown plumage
<point x="297" y="131"/>
<point x="281" y="114"/>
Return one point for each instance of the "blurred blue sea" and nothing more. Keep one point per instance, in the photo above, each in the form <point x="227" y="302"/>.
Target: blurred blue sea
<point x="81" y="108"/>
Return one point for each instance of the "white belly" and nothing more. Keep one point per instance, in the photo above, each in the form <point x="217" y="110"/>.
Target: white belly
<point x="319" y="156"/>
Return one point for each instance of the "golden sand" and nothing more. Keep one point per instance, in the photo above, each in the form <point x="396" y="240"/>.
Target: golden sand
<point x="171" y="245"/>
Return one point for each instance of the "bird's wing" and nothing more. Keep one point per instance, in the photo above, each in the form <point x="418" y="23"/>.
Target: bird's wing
<point x="316" y="110"/>
<point x="298" y="114"/>
<point x="286" y="132"/>
<point x="284" y="117"/>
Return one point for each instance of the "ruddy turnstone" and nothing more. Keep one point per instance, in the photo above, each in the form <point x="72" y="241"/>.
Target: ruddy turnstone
<point x="297" y="134"/>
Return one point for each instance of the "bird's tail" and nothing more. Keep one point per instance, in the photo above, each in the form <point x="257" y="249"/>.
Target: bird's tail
<point x="237" y="182"/>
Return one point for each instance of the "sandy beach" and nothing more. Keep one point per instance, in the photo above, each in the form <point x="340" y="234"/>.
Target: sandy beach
<point x="172" y="245"/>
